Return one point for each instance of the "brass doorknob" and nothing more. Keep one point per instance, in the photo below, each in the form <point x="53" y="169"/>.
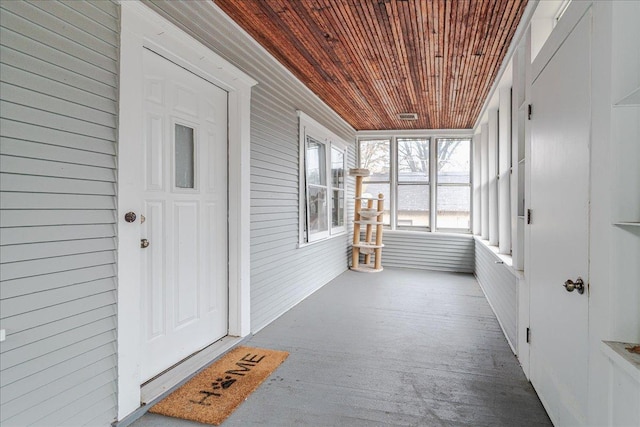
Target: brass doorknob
<point x="578" y="285"/>
<point x="144" y="243"/>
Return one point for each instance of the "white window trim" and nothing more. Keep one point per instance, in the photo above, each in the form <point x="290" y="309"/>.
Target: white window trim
<point x="342" y="148"/>
<point x="395" y="184"/>
<point x="492" y="184"/>
<point x="437" y="184"/>
<point x="310" y="127"/>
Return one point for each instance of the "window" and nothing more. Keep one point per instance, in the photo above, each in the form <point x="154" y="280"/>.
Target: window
<point x="453" y="199"/>
<point x="417" y="196"/>
<point x="323" y="189"/>
<point x="184" y="151"/>
<point x="316" y="167"/>
<point x="413" y="183"/>
<point x="337" y="189"/>
<point x="375" y="155"/>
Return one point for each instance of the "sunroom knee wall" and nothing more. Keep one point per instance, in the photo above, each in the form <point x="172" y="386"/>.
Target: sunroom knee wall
<point x="429" y="251"/>
<point x="500" y="286"/>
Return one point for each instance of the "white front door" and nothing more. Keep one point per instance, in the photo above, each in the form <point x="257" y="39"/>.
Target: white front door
<point x="184" y="294"/>
<point x="559" y="245"/>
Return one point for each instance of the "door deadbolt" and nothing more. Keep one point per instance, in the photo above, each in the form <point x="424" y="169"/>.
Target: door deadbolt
<point x="130" y="217"/>
<point x="144" y="243"/>
<point x="578" y="285"/>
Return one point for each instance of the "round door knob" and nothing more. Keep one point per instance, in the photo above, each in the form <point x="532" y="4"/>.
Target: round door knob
<point x="578" y="285"/>
<point x="130" y="217"/>
<point x="144" y="243"/>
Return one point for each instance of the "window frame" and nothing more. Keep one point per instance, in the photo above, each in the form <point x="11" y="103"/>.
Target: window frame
<point x="398" y="183"/>
<point x="433" y="136"/>
<point x="389" y="204"/>
<point x="339" y="229"/>
<point x="469" y="185"/>
<point x="175" y="122"/>
<point x="309" y="128"/>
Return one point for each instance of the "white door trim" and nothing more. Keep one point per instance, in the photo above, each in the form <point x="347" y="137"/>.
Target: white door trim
<point x="143" y="28"/>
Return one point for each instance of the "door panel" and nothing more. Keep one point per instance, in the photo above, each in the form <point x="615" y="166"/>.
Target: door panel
<point x="559" y="243"/>
<point x="184" y="269"/>
<point x="154" y="273"/>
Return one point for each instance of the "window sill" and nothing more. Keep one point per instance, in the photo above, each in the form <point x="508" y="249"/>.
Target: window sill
<point x="429" y="233"/>
<point x="326" y="239"/>
<point x="507" y="260"/>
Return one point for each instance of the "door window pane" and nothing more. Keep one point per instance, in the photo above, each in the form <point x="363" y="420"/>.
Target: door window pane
<point x="453" y="206"/>
<point x="375" y="155"/>
<point x="316" y="162"/>
<point x="184" y="156"/>
<point x="413" y="205"/>
<point x="454" y="161"/>
<point x="413" y="160"/>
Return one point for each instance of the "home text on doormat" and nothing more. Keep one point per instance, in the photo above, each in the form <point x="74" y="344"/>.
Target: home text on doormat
<point x="212" y="395"/>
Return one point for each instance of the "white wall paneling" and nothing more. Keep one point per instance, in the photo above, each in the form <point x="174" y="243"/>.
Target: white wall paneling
<point x="58" y="78"/>
<point x="500" y="286"/>
<point x="428" y="251"/>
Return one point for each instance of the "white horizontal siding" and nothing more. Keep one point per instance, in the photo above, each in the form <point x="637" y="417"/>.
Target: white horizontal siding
<point x="58" y="79"/>
<point x="14" y="37"/>
<point x="428" y="251"/>
<point x="55" y="74"/>
<point x="49" y="138"/>
<point x="44" y="250"/>
<point x="501" y="289"/>
<point x="26" y="19"/>
<point x="55" y="312"/>
<point x="281" y="273"/>
<point x="47" y="377"/>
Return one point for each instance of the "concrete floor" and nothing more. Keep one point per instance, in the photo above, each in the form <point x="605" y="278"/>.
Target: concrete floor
<point x="397" y="348"/>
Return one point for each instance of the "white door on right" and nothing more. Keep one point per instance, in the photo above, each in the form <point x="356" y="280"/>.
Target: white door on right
<point x="559" y="230"/>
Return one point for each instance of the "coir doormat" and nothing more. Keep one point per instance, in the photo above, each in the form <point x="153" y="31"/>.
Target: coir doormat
<point x="212" y="395"/>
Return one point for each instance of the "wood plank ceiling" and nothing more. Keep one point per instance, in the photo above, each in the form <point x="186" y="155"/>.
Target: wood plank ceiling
<point x="370" y="60"/>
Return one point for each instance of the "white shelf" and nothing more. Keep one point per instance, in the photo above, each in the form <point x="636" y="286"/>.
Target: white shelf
<point x="632" y="99"/>
<point x="368" y="198"/>
<point x="368" y="222"/>
<point x="621" y="357"/>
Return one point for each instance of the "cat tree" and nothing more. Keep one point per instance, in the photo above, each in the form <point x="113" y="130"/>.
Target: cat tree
<point x="368" y="216"/>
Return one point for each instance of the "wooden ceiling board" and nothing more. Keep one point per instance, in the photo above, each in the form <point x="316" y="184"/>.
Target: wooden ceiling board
<point x="370" y="60"/>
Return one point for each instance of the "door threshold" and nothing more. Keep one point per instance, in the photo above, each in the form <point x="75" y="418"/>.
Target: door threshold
<point x="165" y="383"/>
